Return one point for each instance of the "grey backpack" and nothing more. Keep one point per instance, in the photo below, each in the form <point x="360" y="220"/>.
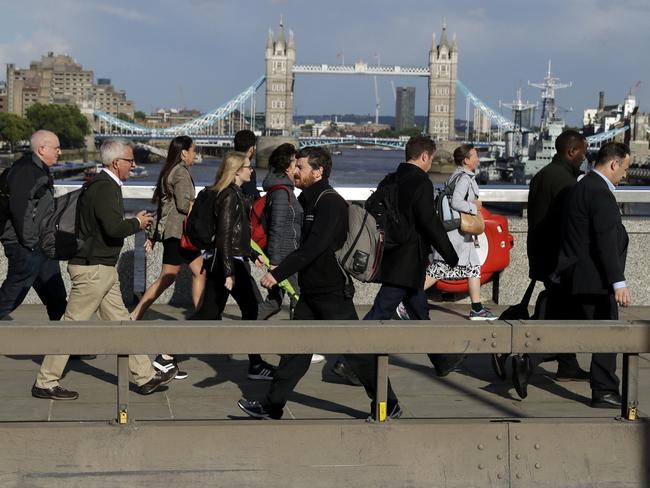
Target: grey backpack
<point x="362" y="251"/>
<point x="60" y="233"/>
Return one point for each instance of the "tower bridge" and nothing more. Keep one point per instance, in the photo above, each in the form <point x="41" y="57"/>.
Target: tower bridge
<point x="279" y="82"/>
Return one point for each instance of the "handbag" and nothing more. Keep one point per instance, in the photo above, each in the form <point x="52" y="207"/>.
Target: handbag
<point x="472" y="224"/>
<point x="185" y="241"/>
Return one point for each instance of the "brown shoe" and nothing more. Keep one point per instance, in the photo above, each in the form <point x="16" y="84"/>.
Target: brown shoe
<point x="55" y="393"/>
<point x="159" y="379"/>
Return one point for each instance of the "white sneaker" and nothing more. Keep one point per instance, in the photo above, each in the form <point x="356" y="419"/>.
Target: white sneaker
<point x="401" y="312"/>
<point x="317" y="358"/>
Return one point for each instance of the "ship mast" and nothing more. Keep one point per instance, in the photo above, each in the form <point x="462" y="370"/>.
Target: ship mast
<point x="548" y="87"/>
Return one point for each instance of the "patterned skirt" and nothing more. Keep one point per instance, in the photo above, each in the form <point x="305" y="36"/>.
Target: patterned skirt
<point x="440" y="270"/>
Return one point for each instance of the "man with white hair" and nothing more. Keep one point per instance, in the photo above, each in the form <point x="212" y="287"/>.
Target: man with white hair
<point x="29" y="183"/>
<point x="95" y="282"/>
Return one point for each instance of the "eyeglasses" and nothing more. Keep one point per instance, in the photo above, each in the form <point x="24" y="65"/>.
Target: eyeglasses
<point x="247" y="166"/>
<point x="130" y="161"/>
<point x="56" y="148"/>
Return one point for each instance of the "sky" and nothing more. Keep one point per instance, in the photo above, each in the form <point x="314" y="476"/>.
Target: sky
<point x="201" y="53"/>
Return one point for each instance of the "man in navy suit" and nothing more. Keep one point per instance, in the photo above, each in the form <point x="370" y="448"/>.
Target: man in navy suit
<point x="591" y="264"/>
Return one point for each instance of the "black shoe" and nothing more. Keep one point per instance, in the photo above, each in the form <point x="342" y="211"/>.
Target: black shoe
<point x="262" y="371"/>
<point x="522" y="370"/>
<point x="83" y="357"/>
<point x="159" y="379"/>
<point x="448" y="364"/>
<point x="395" y="412"/>
<point x="577" y="374"/>
<point x="253" y="408"/>
<point x="55" y="393"/>
<point x="499" y="361"/>
<point x="605" y="400"/>
<point x="164" y="365"/>
<point x="344" y="371"/>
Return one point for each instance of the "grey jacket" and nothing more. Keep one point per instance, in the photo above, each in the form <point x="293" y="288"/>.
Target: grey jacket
<point x="284" y="216"/>
<point x="465" y="192"/>
<point x="175" y="206"/>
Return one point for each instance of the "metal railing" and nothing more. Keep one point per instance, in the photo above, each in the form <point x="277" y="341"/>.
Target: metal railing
<point x="338" y="337"/>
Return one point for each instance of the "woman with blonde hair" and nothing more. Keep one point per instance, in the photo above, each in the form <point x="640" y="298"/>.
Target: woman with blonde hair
<point x="227" y="273"/>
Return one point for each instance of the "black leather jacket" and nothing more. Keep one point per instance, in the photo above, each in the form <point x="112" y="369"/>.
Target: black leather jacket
<point x="233" y="232"/>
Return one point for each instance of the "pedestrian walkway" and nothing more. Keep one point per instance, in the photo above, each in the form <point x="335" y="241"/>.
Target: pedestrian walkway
<point x="216" y="382"/>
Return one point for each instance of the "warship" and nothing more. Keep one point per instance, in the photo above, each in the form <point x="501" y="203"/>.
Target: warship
<point x="526" y="150"/>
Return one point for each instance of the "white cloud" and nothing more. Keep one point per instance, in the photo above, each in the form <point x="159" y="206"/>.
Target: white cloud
<point x="126" y="13"/>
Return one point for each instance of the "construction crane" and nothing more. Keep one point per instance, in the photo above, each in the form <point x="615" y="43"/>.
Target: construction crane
<point x="377" y="104"/>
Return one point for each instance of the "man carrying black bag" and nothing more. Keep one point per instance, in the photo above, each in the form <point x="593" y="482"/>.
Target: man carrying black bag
<point x="546" y="199"/>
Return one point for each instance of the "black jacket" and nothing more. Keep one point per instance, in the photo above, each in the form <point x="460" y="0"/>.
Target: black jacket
<point x="233" y="232"/>
<point x="102" y="224"/>
<point x="324" y="231"/>
<point x="405" y="265"/>
<point x="546" y="206"/>
<point x="594" y="240"/>
<point x="31" y="201"/>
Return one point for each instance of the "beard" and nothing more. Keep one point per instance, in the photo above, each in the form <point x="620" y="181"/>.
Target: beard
<point x="306" y="181"/>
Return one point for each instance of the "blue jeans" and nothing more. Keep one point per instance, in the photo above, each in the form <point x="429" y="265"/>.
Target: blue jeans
<point x="415" y="301"/>
<point x="28" y="269"/>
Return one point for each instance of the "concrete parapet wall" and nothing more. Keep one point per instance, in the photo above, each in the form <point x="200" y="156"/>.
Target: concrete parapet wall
<point x="507" y="290"/>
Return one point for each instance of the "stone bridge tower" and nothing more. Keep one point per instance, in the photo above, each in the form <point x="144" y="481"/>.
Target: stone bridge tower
<point x="443" y="66"/>
<point x="280" y="57"/>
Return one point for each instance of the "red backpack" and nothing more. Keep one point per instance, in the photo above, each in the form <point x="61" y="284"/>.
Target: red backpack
<point x="258" y="216"/>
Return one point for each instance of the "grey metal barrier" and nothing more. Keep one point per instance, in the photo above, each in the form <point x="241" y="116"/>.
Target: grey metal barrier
<point x="340" y="337"/>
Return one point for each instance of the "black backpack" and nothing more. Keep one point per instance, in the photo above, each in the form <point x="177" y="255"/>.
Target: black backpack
<point x="60" y="233"/>
<point x="201" y="223"/>
<point x="449" y="217"/>
<point x="383" y="206"/>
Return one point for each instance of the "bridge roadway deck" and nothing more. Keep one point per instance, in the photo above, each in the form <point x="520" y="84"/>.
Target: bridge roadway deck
<point x="446" y="417"/>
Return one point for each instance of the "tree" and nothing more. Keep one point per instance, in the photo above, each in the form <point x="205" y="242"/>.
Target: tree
<point x="66" y="121"/>
<point x="410" y="131"/>
<point x="140" y="115"/>
<point x="14" y="129"/>
<point x="124" y="117"/>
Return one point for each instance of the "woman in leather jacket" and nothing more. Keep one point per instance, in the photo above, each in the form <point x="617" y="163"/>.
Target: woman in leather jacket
<point x="227" y="273"/>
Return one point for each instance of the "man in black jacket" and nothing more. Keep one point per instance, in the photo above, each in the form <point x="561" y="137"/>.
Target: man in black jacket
<point x="31" y="201"/>
<point x="591" y="263"/>
<point x="95" y="282"/>
<point x="546" y="207"/>
<point x="323" y="292"/>
<point x="403" y="267"/>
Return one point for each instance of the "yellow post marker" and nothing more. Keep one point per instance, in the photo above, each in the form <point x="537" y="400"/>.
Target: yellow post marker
<point x="382" y="411"/>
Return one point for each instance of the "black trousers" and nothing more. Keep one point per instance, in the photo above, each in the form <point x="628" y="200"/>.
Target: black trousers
<point x="603" y="365"/>
<point x="216" y="295"/>
<point x="292" y="367"/>
<point x="556" y="306"/>
<point x="27" y="269"/>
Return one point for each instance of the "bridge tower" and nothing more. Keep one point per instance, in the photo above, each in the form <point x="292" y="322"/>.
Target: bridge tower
<point x="280" y="57"/>
<point x="443" y="67"/>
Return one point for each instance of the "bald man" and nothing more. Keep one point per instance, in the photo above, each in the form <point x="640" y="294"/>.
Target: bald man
<point x="31" y="200"/>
